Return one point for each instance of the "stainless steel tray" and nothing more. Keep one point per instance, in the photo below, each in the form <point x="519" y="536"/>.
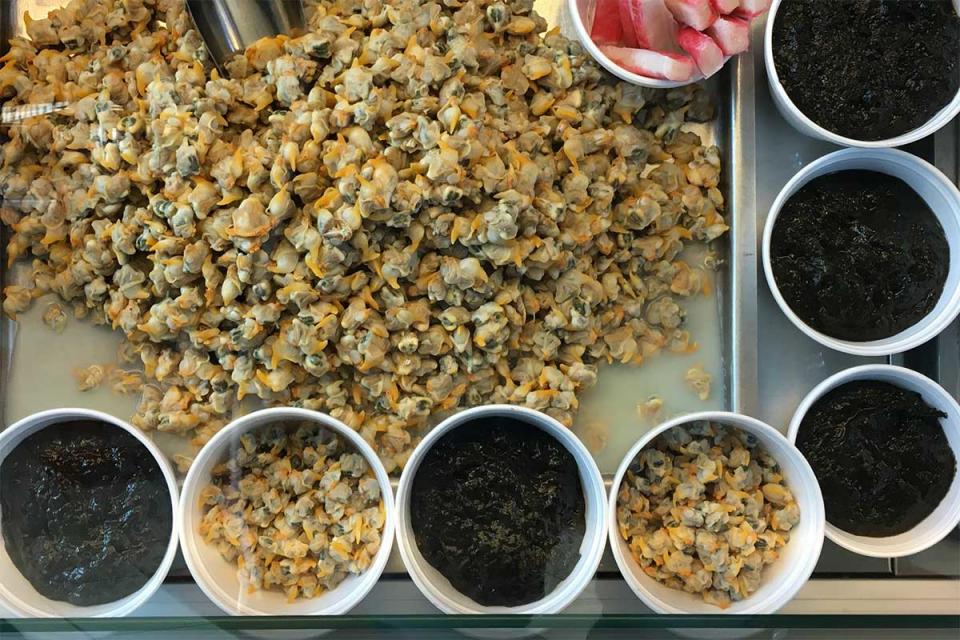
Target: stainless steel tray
<point x="35" y="364"/>
<point x="32" y="378"/>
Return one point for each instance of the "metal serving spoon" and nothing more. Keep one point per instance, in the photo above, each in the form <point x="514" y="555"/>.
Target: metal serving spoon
<point x="230" y="26"/>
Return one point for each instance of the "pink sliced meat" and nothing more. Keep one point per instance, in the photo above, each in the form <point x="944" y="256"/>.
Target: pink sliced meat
<point x="628" y="36"/>
<point x="652" y="64"/>
<point x="731" y="34"/>
<point x="723" y="7"/>
<point x="704" y="51"/>
<point x="750" y="9"/>
<point x="698" y="14"/>
<point x="606" y="23"/>
<point x="653" y="24"/>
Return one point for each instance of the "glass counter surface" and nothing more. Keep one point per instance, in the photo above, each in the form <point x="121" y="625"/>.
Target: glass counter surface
<point x="849" y="595"/>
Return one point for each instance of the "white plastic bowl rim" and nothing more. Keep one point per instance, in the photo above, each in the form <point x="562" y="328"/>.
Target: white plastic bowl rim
<point x="781" y="580"/>
<point x="218" y="579"/>
<point x="16" y="593"/>
<point x="436" y="588"/>
<point x="944" y="200"/>
<point x="946" y="516"/>
<point x="580" y="8"/>
<point x="805" y="125"/>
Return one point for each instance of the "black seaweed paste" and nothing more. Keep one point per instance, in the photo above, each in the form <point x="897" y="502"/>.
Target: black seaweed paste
<point x="497" y="507"/>
<point x="868" y="69"/>
<point x="86" y="512"/>
<point x="880" y="455"/>
<point x="859" y="255"/>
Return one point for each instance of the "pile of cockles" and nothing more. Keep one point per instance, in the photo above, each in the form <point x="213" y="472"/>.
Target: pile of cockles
<point x="411" y="207"/>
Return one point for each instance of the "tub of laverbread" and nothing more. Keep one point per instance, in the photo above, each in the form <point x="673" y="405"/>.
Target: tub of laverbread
<point x="884" y="442"/>
<point x="861" y="251"/>
<point x="864" y="73"/>
<point x="501" y="509"/>
<point x="88" y="515"/>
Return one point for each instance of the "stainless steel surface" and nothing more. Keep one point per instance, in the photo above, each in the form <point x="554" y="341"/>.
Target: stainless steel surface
<point x="8" y="28"/>
<point x="230" y="26"/>
<point x="738" y="118"/>
<point x="732" y="307"/>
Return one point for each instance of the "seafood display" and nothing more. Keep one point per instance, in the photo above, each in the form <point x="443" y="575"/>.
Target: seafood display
<point x="295" y="508"/>
<point x="410" y="208"/>
<point x="704" y="508"/>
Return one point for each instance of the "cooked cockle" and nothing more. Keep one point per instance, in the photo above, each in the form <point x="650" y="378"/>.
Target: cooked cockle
<point x="295" y="509"/>
<point x="17" y="299"/>
<point x="699" y="381"/>
<point x="595" y="436"/>
<point x="412" y="207"/>
<point x="703" y="508"/>
<point x="55" y="317"/>
<point x="91" y="377"/>
<point x="122" y="381"/>
<point x="650" y="409"/>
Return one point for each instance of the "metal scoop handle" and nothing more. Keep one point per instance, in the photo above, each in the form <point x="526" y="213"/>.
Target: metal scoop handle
<point x="230" y="26"/>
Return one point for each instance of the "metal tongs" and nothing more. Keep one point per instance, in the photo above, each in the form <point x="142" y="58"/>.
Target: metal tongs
<point x="228" y="27"/>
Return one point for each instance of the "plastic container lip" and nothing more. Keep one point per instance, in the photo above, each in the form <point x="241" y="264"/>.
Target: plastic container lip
<point x="805" y="125"/>
<point x="217" y="578"/>
<point x="946" y="516"/>
<point x="577" y="9"/>
<point x="800" y="555"/>
<point x="438" y="589"/>
<point x="944" y="200"/>
<point x="23" y="600"/>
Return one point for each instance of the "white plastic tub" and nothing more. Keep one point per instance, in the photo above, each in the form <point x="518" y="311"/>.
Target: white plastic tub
<point x="581" y="15"/>
<point x="782" y="579"/>
<point x="808" y="127"/>
<point x="946" y="516"/>
<point x="944" y="200"/>
<point x="218" y="578"/>
<point x="437" y="588"/>
<point x="16" y="593"/>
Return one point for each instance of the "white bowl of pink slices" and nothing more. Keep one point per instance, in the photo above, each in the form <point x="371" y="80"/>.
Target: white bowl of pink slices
<point x="664" y="43"/>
